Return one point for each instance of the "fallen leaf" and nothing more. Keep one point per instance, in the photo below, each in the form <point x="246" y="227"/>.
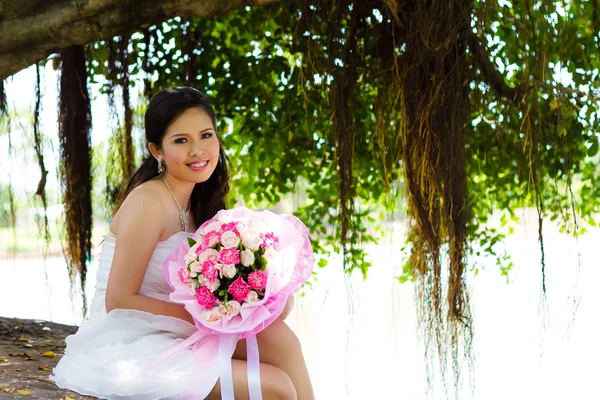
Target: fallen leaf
<point x="48" y="354"/>
<point x="44" y="368"/>
<point x="22" y="339"/>
<point x="42" y="345"/>
<point x="24" y="392"/>
<point x="69" y="398"/>
<point x="3" y="360"/>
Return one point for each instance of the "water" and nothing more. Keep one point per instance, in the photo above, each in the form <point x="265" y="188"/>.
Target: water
<point x="525" y="349"/>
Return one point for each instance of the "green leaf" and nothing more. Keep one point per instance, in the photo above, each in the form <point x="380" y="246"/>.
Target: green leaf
<point x="593" y="150"/>
<point x="191" y="242"/>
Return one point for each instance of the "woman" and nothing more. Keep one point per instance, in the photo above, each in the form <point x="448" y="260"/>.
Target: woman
<point x="132" y="322"/>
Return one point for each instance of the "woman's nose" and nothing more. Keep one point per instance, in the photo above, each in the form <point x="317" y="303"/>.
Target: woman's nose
<point x="196" y="149"/>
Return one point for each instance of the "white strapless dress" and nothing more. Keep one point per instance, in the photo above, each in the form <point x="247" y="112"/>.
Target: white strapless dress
<point x="113" y="355"/>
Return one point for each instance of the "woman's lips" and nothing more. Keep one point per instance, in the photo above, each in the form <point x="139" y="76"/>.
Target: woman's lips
<point x="196" y="166"/>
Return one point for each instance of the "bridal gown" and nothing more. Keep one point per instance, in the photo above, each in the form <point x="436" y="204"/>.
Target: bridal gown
<point x="115" y="355"/>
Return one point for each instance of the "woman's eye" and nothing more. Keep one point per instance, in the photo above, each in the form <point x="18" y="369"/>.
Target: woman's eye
<point x="180" y="140"/>
<point x="207" y="135"/>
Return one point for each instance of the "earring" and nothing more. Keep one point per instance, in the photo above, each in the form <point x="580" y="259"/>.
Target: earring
<point x="160" y="167"/>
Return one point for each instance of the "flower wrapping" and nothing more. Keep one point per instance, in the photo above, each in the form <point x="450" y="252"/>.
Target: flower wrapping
<point x="234" y="277"/>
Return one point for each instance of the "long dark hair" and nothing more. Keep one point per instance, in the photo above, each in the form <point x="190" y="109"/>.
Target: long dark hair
<point x="207" y="197"/>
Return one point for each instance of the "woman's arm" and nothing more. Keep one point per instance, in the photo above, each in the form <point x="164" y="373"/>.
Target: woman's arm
<point x="154" y="306"/>
<point x="140" y="224"/>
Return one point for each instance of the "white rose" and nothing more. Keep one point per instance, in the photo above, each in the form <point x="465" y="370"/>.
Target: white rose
<point x="229" y="239"/>
<point x="214" y="285"/>
<point x="215" y="226"/>
<point x="251" y="297"/>
<point x="229" y="270"/>
<point x="190" y="256"/>
<point x="195" y="266"/>
<point x="201" y="281"/>
<point x="233" y="308"/>
<point x="247" y="257"/>
<point x="251" y="241"/>
<point x="269" y="253"/>
<point x="191" y="289"/>
<point x="219" y="267"/>
<point x="208" y="254"/>
<point x="221" y="310"/>
<point x="211" y="315"/>
<point x="193" y="274"/>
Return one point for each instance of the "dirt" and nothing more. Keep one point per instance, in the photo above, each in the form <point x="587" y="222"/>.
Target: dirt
<point x="29" y="350"/>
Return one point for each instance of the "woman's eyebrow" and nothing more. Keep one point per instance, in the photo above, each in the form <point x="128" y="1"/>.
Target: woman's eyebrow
<point x="185" y="134"/>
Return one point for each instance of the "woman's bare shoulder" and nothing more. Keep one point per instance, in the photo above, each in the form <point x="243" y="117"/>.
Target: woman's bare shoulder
<point x="144" y="202"/>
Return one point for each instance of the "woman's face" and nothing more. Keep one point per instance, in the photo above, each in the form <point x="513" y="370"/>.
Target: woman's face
<point x="190" y="147"/>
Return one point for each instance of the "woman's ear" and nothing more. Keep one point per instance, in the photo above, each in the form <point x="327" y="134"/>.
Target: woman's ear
<point x="155" y="151"/>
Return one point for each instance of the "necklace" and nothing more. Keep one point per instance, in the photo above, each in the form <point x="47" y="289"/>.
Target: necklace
<point x="183" y="214"/>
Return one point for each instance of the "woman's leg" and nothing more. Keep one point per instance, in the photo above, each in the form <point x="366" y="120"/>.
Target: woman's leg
<point x="275" y="384"/>
<point x="279" y="346"/>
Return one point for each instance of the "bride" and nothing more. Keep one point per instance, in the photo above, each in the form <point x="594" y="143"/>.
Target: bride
<point x="183" y="183"/>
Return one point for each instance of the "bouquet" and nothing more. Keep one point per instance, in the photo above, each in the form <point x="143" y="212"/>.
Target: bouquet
<point x="234" y="276"/>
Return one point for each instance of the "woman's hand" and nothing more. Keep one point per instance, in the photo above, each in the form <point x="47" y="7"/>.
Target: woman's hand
<point x="288" y="308"/>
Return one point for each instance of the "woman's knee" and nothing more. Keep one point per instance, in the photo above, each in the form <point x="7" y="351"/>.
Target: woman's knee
<point x="276" y="384"/>
<point x="278" y="335"/>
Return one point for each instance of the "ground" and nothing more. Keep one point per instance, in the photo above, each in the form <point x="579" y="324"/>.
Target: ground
<point x="29" y="349"/>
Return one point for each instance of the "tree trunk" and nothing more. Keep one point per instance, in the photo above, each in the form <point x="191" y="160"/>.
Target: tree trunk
<point x="31" y="30"/>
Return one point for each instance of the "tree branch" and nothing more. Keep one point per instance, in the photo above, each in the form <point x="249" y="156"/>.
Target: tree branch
<point x="493" y="77"/>
<point x="31" y="30"/>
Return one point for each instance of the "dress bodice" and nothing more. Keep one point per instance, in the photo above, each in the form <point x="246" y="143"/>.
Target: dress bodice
<point x="154" y="283"/>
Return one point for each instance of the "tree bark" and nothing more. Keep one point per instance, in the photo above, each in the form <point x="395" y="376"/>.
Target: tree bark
<point x="31" y="30"/>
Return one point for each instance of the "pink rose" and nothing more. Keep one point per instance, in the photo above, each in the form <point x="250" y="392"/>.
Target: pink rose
<point x="184" y="275"/>
<point x="209" y="270"/>
<point x="257" y="280"/>
<point x="239" y="289"/>
<point x="211" y="238"/>
<point x="270" y="241"/>
<point x="230" y="227"/>
<point x="229" y="256"/>
<point x="205" y="297"/>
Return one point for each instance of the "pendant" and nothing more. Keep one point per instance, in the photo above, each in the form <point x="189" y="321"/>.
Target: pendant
<point x="183" y="218"/>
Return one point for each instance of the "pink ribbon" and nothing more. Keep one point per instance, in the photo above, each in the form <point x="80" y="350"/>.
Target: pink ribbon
<point x="226" y="347"/>
<point x="204" y="351"/>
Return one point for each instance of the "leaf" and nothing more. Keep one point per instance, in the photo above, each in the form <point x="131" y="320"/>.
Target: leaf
<point x="24" y="392"/>
<point x="69" y="398"/>
<point x="191" y="242"/>
<point x="593" y="150"/>
<point x="44" y="368"/>
<point x="553" y="104"/>
<point x="48" y="354"/>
